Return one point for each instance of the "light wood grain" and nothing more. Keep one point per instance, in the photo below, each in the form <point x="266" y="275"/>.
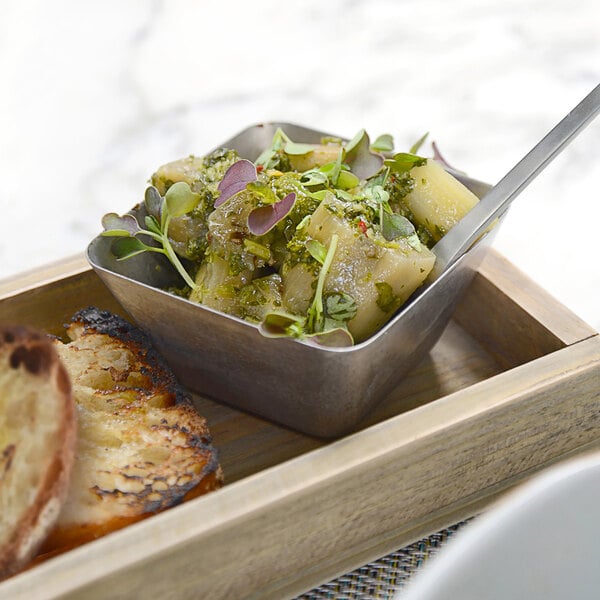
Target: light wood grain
<point x="479" y="415"/>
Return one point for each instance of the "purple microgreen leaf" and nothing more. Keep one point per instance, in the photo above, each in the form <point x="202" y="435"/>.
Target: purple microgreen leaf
<point x="180" y="199"/>
<point x="264" y="218"/>
<point x="117" y="226"/>
<point x="383" y="143"/>
<point x="281" y="324"/>
<point x="316" y="250"/>
<point x="417" y="145"/>
<point x="127" y="247"/>
<point x="294" y="149"/>
<point x="364" y="163"/>
<point x="332" y="338"/>
<point x="236" y="178"/>
<point x="153" y="201"/>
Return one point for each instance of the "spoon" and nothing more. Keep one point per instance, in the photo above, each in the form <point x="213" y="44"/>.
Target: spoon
<point x="465" y="233"/>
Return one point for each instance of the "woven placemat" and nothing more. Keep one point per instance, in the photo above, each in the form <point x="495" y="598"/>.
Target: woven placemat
<point x="381" y="579"/>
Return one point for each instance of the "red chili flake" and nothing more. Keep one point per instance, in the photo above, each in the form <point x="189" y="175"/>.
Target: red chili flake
<point x="259" y="168"/>
<point x="362" y="226"/>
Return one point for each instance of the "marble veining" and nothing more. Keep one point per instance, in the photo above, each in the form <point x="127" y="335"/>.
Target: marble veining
<point x="96" y="95"/>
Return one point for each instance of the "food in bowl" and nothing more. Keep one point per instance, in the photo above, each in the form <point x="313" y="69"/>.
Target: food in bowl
<point x="321" y="242"/>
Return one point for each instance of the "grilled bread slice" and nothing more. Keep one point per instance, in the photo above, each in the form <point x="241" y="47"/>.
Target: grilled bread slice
<point x="142" y="447"/>
<point x="37" y="441"/>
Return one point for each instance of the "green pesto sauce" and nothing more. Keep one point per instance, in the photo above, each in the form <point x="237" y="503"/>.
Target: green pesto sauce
<point x="387" y="300"/>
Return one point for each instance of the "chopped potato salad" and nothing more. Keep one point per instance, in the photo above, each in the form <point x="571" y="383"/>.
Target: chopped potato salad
<point x="322" y="242"/>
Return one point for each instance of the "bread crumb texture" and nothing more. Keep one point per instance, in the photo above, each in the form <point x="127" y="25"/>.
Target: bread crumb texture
<point x="37" y="440"/>
<point x="142" y="446"/>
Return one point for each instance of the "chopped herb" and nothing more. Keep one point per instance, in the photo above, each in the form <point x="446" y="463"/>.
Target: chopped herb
<point x="387" y="300"/>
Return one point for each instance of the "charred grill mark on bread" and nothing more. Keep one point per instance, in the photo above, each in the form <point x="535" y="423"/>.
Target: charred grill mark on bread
<point x="143" y="446"/>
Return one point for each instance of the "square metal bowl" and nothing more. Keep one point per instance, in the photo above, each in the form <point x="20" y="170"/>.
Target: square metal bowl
<point x="320" y="391"/>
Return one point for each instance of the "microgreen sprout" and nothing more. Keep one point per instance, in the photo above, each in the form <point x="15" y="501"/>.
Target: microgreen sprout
<point x="392" y="225"/>
<point x="403" y="162"/>
<point x="264" y="218"/>
<point x="384" y="143"/>
<point x="358" y="153"/>
<point x="178" y="201"/>
<point x="315" y="312"/>
<point x="236" y="178"/>
<point x="269" y="159"/>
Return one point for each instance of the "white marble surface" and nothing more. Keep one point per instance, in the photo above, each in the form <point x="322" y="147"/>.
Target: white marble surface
<point x="95" y="95"/>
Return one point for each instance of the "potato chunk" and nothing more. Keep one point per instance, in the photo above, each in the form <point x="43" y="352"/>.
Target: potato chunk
<point x="379" y="275"/>
<point x="438" y="200"/>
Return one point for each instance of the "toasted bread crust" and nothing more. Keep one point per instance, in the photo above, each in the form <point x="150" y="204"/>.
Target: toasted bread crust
<point x="143" y="447"/>
<point x="37" y="441"/>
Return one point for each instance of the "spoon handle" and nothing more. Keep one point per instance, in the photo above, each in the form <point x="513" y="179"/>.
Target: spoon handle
<point x="460" y="238"/>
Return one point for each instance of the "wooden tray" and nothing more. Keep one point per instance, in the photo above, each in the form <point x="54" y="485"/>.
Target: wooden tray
<point x="512" y="387"/>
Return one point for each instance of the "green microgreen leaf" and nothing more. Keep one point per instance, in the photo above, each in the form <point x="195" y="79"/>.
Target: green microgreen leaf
<point x="354" y="143"/>
<point x="282" y="324"/>
<point x="303" y="223"/>
<point x="404" y="162"/>
<point x="383" y="143"/>
<point x="267" y="195"/>
<point x="336" y="168"/>
<point x="295" y="149"/>
<point x="347" y="180"/>
<point x="268" y="157"/>
<point x="315" y="312"/>
<point x="313" y="177"/>
<point x="394" y="226"/>
<point x="316" y="250"/>
<point x="320" y="195"/>
<point x="180" y="199"/>
<point x="377" y="194"/>
<point x="117" y="226"/>
<point x="340" y="306"/>
<point x="152" y="224"/>
<point x="257" y="249"/>
<point x="127" y="247"/>
<point x="417" y="145"/>
<point x="343" y="195"/>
